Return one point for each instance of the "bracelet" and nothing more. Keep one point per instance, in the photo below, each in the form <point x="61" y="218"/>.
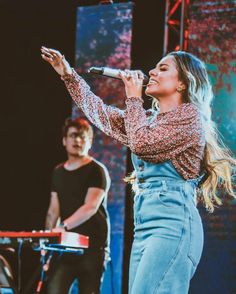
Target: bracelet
<point x="63" y="225"/>
<point x="66" y="76"/>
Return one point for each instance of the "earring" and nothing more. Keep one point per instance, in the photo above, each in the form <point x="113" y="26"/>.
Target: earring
<point x="179" y="89"/>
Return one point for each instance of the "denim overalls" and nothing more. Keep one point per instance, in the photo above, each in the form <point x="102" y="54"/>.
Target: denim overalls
<point x="168" y="234"/>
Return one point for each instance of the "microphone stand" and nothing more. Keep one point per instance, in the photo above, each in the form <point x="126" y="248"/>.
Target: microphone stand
<point x="45" y="263"/>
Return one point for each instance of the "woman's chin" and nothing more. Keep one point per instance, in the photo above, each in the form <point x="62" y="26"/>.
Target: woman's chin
<point x="150" y="93"/>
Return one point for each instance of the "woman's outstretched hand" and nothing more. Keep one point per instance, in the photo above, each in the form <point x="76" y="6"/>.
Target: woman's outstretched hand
<point x="57" y="60"/>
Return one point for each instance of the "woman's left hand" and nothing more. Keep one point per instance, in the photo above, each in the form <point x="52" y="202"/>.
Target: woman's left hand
<point x="57" y="60"/>
<point x="133" y="80"/>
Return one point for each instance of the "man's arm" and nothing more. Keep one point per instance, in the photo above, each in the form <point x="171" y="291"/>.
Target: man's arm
<point x="91" y="204"/>
<point x="53" y="212"/>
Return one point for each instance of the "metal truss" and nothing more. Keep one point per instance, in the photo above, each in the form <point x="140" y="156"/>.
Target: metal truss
<point x="175" y="25"/>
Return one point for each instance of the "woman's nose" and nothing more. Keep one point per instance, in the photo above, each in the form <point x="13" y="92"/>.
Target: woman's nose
<point x="153" y="72"/>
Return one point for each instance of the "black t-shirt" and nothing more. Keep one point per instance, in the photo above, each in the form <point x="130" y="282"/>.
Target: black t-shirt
<point x="72" y="187"/>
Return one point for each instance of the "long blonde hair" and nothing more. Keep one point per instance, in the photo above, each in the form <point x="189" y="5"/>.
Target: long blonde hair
<point x="218" y="162"/>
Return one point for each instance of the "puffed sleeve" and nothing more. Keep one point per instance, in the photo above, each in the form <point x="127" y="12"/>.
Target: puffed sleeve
<point x="107" y="118"/>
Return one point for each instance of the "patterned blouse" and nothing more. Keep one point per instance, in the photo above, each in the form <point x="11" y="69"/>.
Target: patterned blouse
<point x="175" y="135"/>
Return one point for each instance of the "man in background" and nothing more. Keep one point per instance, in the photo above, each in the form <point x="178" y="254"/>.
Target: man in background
<point x="79" y="198"/>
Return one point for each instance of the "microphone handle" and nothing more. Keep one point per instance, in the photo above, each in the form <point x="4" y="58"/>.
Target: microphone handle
<point x="112" y="73"/>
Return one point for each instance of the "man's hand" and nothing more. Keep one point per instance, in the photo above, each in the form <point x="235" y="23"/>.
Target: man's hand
<point x="57" y="60"/>
<point x="58" y="230"/>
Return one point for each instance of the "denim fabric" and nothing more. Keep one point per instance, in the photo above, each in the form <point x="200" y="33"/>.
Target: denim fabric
<point x="168" y="234"/>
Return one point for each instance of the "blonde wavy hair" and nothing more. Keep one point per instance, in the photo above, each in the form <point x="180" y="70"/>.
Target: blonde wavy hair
<point x="218" y="162"/>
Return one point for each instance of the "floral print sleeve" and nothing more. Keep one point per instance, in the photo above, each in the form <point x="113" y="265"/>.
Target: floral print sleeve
<point x="166" y="136"/>
<point x="108" y="119"/>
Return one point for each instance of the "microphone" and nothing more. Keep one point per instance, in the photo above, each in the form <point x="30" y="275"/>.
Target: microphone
<point x="112" y="73"/>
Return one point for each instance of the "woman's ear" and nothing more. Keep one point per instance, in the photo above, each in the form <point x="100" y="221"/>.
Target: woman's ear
<point x="181" y="87"/>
